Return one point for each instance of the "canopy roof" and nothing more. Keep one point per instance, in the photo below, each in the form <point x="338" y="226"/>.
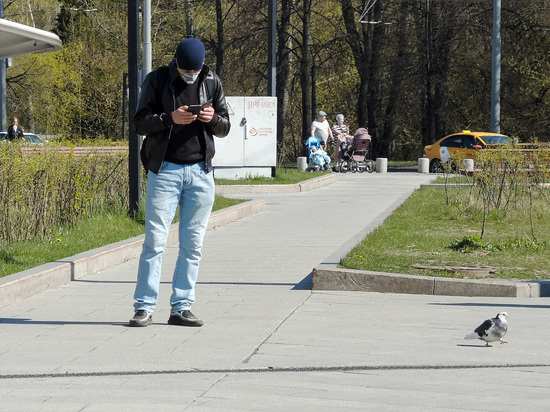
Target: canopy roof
<point x="17" y="39"/>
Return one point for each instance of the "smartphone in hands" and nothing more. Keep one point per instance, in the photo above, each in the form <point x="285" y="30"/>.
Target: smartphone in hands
<point x="196" y="108"/>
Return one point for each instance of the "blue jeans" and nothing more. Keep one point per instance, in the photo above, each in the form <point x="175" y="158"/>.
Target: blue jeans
<point x="192" y="188"/>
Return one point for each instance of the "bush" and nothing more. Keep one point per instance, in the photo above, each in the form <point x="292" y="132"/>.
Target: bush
<point x="508" y="178"/>
<point x="471" y="243"/>
<point x="47" y="189"/>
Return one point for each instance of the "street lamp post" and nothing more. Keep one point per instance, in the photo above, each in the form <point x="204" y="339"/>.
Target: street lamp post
<point x="495" y="82"/>
<point x="147" y="46"/>
<point x="3" y="110"/>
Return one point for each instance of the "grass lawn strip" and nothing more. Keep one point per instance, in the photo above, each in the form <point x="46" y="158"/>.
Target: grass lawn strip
<point x="426" y="231"/>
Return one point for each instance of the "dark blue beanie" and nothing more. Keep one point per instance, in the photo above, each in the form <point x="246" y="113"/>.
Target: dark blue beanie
<point x="190" y="54"/>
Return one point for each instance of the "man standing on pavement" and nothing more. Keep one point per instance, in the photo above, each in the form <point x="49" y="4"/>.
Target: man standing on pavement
<point x="181" y="107"/>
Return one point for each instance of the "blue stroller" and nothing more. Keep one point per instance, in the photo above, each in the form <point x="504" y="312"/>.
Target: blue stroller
<point x="318" y="159"/>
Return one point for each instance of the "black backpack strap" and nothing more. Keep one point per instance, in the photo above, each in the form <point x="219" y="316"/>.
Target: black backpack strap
<point x="210" y="83"/>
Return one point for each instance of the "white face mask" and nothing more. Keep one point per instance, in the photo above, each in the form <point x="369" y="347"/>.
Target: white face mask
<point x="189" y="78"/>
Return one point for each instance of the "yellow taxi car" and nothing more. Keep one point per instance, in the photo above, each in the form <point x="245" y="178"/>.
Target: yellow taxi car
<point x="462" y="145"/>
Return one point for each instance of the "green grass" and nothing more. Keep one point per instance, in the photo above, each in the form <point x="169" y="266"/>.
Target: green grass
<point x="284" y="176"/>
<point x="402" y="163"/>
<point x="454" y="179"/>
<point x="424" y="230"/>
<point x="99" y="230"/>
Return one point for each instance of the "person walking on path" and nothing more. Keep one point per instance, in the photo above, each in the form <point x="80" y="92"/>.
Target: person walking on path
<point x="181" y="107"/>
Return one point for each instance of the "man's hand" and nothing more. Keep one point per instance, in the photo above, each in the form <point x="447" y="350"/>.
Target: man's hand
<point x="182" y="116"/>
<point x="206" y="114"/>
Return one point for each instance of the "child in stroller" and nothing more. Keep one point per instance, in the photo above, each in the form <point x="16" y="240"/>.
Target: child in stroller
<point x="318" y="159"/>
<point x="354" y="153"/>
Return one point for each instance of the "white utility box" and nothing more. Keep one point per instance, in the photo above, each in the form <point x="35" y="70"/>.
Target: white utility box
<point x="250" y="148"/>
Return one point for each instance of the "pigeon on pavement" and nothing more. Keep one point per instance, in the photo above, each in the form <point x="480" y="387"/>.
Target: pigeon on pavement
<point x="491" y="330"/>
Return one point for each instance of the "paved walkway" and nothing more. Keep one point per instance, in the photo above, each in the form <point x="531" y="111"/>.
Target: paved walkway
<point x="269" y="341"/>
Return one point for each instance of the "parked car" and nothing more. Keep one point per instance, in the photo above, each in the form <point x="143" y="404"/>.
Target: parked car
<point x="462" y="145"/>
<point x="29" y="137"/>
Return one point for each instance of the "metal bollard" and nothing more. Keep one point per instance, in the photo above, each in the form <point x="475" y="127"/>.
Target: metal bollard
<point x="423" y="165"/>
<point x="381" y="165"/>
<point x="302" y="164"/>
<point x="468" y="164"/>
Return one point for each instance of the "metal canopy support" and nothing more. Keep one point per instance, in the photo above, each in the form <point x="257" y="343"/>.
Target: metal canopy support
<point x="133" y="75"/>
<point x="17" y="39"/>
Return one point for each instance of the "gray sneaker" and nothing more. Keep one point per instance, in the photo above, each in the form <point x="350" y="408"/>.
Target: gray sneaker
<point x="184" y="318"/>
<point x="141" y="318"/>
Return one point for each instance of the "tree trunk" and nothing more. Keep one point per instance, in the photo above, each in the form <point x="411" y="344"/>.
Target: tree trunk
<point x="283" y="70"/>
<point x="440" y="26"/>
<point x="220" y="47"/>
<point x="306" y="68"/>
<point x="356" y="42"/>
<point x="429" y="70"/>
<point x="189" y="18"/>
<point x="397" y="80"/>
<point x="375" y="78"/>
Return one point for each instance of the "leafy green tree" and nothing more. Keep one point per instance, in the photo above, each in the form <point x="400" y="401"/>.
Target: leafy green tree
<point x="419" y="70"/>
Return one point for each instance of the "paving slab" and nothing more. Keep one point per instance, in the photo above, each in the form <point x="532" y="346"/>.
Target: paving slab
<point x="269" y="341"/>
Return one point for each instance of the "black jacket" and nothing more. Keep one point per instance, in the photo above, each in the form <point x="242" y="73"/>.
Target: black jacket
<point x="13" y="135"/>
<point x="158" y="98"/>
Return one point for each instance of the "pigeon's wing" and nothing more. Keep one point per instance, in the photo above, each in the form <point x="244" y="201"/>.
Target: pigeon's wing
<point x="482" y="329"/>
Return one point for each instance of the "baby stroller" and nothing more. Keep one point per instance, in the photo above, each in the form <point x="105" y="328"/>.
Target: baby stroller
<point x="317" y="158"/>
<point x="354" y="154"/>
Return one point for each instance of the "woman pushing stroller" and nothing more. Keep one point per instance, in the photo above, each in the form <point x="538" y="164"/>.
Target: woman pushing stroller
<point x="354" y="153"/>
<point x="341" y="138"/>
<point x="350" y="152"/>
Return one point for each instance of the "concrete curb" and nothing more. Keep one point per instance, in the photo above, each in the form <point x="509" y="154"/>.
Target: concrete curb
<point x="368" y="281"/>
<point x="304" y="186"/>
<point x="25" y="284"/>
<point x="448" y="185"/>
